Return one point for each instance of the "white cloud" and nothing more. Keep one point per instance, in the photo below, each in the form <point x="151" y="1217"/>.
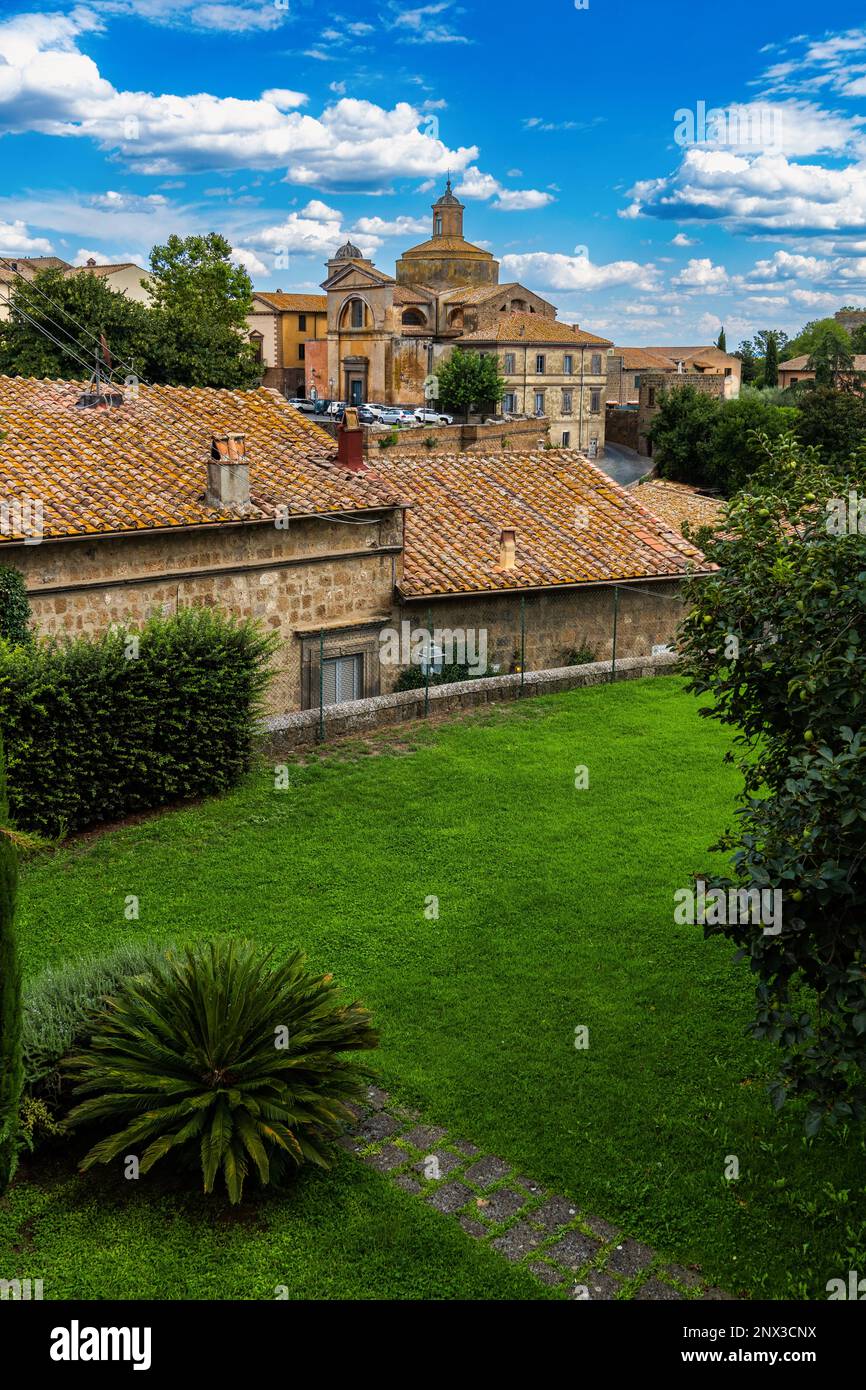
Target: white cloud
<point x="284" y="99"/>
<point x="701" y="274"/>
<point x="475" y="184"/>
<point x="225" y="16"/>
<point x="682" y="240"/>
<point x="112" y="201"/>
<point x="251" y="263"/>
<point x="15" y="240"/>
<point x="398" y="226"/>
<point x="48" y="85"/>
<point x="785" y="265"/>
<point x="551" y="270"/>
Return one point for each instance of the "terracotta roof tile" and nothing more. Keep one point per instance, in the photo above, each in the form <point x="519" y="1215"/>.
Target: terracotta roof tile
<point x="677" y="502"/>
<point x="144" y="464"/>
<point x="299" y="303"/>
<point x="534" y="328"/>
<point x="460" y="504"/>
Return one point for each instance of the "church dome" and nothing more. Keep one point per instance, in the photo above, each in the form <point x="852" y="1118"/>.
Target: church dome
<point x="349" y="252"/>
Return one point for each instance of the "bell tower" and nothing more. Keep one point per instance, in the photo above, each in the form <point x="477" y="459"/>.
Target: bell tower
<point x="448" y="215"/>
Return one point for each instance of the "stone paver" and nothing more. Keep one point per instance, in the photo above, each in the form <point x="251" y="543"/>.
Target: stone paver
<point x="450" y="1197"/>
<point x="629" y="1257"/>
<point x="555" y="1212"/>
<point x="487" y="1171"/>
<point x="541" y="1237"/>
<point x="517" y="1242"/>
<point x="658" y="1292"/>
<point x="387" y="1159"/>
<point x="574" y="1250"/>
<point x="445" y="1163"/>
<point x="425" y="1137"/>
<point x="502" y="1204"/>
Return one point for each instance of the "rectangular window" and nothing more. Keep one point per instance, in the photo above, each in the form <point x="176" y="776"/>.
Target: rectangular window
<point x="567" y="364"/>
<point x="566" y="402"/>
<point x="539" y="402"/>
<point x="509" y="402"/>
<point x="539" y="364"/>
<point x="566" y="439"/>
<point x="342" y="679"/>
<point x="302" y="323"/>
<point x="637" y="382"/>
<point x="651" y="396"/>
<point x="357" y="313"/>
<point x="594" y="401"/>
<point x="301" y="348"/>
<point x="509" y="364"/>
<point x="595" y="369"/>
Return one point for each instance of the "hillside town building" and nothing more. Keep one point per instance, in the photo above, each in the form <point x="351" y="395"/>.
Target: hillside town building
<point x="125" y="277"/>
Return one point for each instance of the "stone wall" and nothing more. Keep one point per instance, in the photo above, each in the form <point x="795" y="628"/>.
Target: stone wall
<point x="653" y="383"/>
<point x="314" y="574"/>
<point x="621" y="427"/>
<point x="288" y="733"/>
<point x="523" y="436"/>
<point x="558" y="622"/>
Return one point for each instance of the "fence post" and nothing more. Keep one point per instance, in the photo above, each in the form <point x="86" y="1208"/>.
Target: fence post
<point x="321" y="686"/>
<point x="429" y="662"/>
<point x="522" y="640"/>
<point x="615" y="616"/>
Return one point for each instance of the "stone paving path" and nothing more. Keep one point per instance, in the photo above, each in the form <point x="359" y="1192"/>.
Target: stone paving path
<point x="561" y="1245"/>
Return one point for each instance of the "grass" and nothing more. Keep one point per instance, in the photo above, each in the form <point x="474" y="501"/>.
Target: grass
<point x="555" y="910"/>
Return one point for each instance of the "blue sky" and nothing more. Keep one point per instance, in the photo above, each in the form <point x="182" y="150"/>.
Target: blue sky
<point x="574" y="137"/>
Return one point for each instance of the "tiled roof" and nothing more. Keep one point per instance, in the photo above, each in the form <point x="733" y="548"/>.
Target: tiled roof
<point x="707" y="352"/>
<point x="677" y="502"/>
<point x="437" y="244"/>
<point x="477" y="294"/>
<point x="460" y="504"/>
<point x="635" y="359"/>
<point x="412" y="294"/>
<point x="300" y="303"/>
<point x="144" y="464"/>
<point x="105" y="269"/>
<point x="534" y="328"/>
<point x="799" y="364"/>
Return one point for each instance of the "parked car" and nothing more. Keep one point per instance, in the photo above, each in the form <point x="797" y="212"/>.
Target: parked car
<point x="302" y="403"/>
<point x="425" y="416"/>
<point x="366" y="416"/>
<point x="336" y="408"/>
<point x="396" y="415"/>
<point x="376" y="410"/>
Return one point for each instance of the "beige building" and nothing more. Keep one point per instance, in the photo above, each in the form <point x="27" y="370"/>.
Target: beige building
<point x="124" y="277"/>
<point x="553" y="370"/>
<point x="386" y="333"/>
<point x="280" y="328"/>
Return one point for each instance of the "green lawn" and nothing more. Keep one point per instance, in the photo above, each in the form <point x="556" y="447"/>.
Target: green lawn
<point x="555" y="910"/>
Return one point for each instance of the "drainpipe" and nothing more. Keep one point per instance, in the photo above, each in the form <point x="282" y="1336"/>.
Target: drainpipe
<point x="580" y="415"/>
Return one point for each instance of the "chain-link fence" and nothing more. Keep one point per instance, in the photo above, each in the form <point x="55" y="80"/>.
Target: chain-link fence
<point x="445" y="641"/>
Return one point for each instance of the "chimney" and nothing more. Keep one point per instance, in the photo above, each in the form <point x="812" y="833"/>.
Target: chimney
<point x="506" y="550"/>
<point x="350" y="442"/>
<point x="228" y="473"/>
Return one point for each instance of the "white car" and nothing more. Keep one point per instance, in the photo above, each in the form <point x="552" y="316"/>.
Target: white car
<point x="425" y="416"/>
<point x="396" y="415"/>
<point x="336" y="407"/>
<point x="302" y="403"/>
<point x="376" y="410"/>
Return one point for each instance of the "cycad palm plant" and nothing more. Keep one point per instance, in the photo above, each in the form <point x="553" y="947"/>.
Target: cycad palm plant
<point x="223" y="1053"/>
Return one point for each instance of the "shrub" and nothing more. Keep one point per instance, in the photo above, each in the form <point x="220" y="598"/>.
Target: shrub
<point x="223" y="1059"/>
<point x="59" y="1008"/>
<point x="791" y="592"/>
<point x="413" y="677"/>
<point x="579" y="656"/>
<point x="11" y="1066"/>
<point x="14" y="607"/>
<point x="98" y="727"/>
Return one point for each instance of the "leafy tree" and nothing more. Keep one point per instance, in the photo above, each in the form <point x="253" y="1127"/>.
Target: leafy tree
<point x="225" y="1060"/>
<point x="812" y="334"/>
<point x="680" y="435"/>
<point x="74" y="310"/>
<point x="467" y="379"/>
<point x="200" y="303"/>
<point x="11" y="1057"/>
<point x="734" y="451"/>
<point x="749" y="359"/>
<point x="830" y="360"/>
<point x="775" y="638"/>
<point x="858" y="339"/>
<point x="833" y="421"/>
<point x="720" y="341"/>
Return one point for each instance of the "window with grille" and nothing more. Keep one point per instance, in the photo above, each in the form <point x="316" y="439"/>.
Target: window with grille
<point x="595" y="401"/>
<point x="539" y="363"/>
<point x="509" y="364"/>
<point x="342" y="679"/>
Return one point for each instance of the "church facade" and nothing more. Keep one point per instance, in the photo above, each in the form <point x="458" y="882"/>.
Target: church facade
<point x="386" y="333"/>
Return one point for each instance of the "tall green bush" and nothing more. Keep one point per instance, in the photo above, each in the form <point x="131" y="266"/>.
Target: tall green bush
<point x="11" y="1064"/>
<point x="14" y="606"/>
<point x="96" y="728"/>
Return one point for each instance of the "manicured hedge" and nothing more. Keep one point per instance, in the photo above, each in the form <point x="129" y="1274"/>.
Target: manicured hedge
<point x="94" y="731"/>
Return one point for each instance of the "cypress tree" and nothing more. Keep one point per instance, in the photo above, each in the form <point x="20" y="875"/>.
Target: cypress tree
<point x="721" y="341"/>
<point x="11" y="1061"/>
<point x="771" y="361"/>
